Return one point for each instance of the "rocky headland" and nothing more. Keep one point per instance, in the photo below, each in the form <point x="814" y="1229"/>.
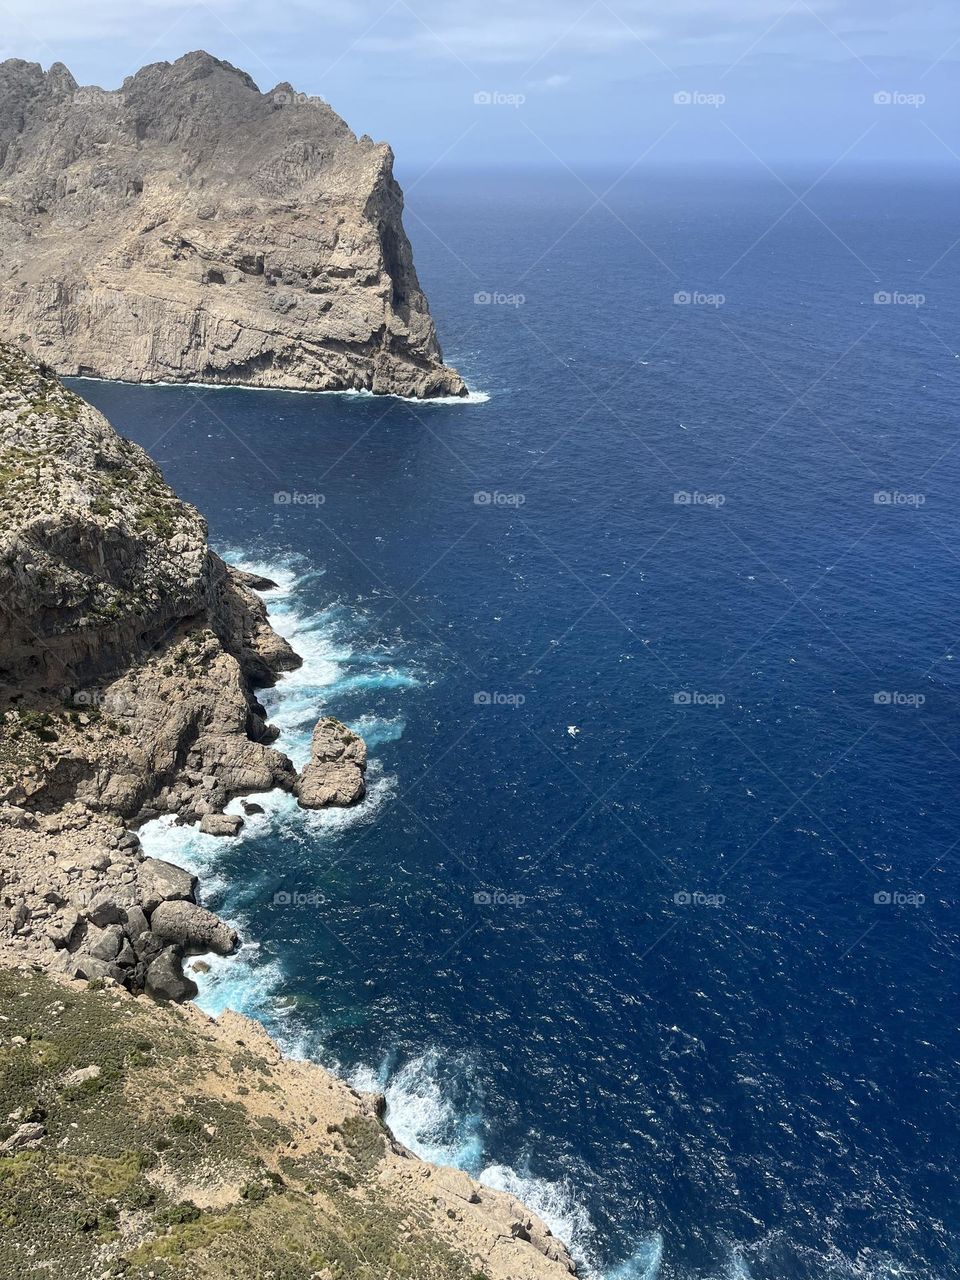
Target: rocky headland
<point x="142" y="1138"/>
<point x="189" y="228"/>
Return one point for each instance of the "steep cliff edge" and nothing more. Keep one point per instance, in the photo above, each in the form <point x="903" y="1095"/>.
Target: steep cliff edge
<point x="129" y="657"/>
<point x="188" y="228"/>
<point x="118" y="623"/>
<point x="139" y="1138"/>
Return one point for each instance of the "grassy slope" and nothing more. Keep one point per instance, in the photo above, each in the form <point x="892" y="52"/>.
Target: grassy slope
<point x="171" y="1109"/>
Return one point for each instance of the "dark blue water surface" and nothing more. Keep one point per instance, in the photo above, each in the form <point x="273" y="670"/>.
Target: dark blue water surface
<point x="651" y="912"/>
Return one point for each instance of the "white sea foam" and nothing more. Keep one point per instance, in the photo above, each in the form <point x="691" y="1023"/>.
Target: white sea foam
<point x="472" y="397"/>
<point x="420" y="1116"/>
<point x="419" y="1113"/>
<point x="424" y="1119"/>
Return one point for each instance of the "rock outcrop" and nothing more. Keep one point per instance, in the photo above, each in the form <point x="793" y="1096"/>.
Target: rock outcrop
<point x="129" y="656"/>
<point x="189" y="228"/>
<point x="338" y="761"/>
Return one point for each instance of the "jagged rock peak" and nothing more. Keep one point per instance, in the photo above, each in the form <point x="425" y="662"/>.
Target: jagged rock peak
<point x="188" y="227"/>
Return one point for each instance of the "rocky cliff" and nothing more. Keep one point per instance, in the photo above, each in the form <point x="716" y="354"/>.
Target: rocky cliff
<point x="137" y="1137"/>
<point x="189" y="228"/>
<point x="129" y="659"/>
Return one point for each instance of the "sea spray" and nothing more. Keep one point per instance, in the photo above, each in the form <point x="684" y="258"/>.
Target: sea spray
<point x="436" y="1126"/>
<point x="434" y="1107"/>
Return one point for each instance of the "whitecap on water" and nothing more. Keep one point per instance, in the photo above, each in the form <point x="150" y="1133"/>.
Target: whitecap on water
<point x="472" y="397"/>
<point x="427" y="1121"/>
<point x="419" y="1114"/>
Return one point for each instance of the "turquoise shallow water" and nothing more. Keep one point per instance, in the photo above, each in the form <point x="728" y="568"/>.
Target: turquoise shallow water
<point x="650" y="914"/>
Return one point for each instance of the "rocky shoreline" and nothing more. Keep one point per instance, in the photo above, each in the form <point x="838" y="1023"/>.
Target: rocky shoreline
<point x="130" y="656"/>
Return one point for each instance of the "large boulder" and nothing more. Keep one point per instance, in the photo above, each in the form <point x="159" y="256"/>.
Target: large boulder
<point x="220" y="824"/>
<point x="107" y="907"/>
<point x="338" y="761"/>
<point x="192" y="929"/>
<point x="163" y="882"/>
<point x="26" y="1136"/>
<point x="94" y="970"/>
<point x="106" y="944"/>
<point x="63" y="927"/>
<point x="165" y="979"/>
<point x="134" y="922"/>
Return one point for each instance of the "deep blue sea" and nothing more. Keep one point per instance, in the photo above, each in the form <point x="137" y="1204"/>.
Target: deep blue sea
<point x="651" y="912"/>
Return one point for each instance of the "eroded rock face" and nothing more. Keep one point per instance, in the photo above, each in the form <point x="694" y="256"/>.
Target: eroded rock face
<point x="189" y="228"/>
<point x="338" y="760"/>
<point x="129" y="654"/>
<point x="135" y="647"/>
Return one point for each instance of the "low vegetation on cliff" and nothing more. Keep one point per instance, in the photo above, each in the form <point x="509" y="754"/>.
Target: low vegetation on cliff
<point x="139" y="1142"/>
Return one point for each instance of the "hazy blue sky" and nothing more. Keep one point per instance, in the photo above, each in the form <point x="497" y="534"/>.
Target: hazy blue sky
<point x="767" y="80"/>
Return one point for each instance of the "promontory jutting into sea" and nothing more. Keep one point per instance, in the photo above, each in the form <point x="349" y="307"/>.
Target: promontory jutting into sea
<point x="478" y="812"/>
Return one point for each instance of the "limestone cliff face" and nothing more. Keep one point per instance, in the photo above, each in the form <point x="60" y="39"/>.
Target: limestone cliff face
<point x="189" y="228"/>
<point x="113" y="609"/>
